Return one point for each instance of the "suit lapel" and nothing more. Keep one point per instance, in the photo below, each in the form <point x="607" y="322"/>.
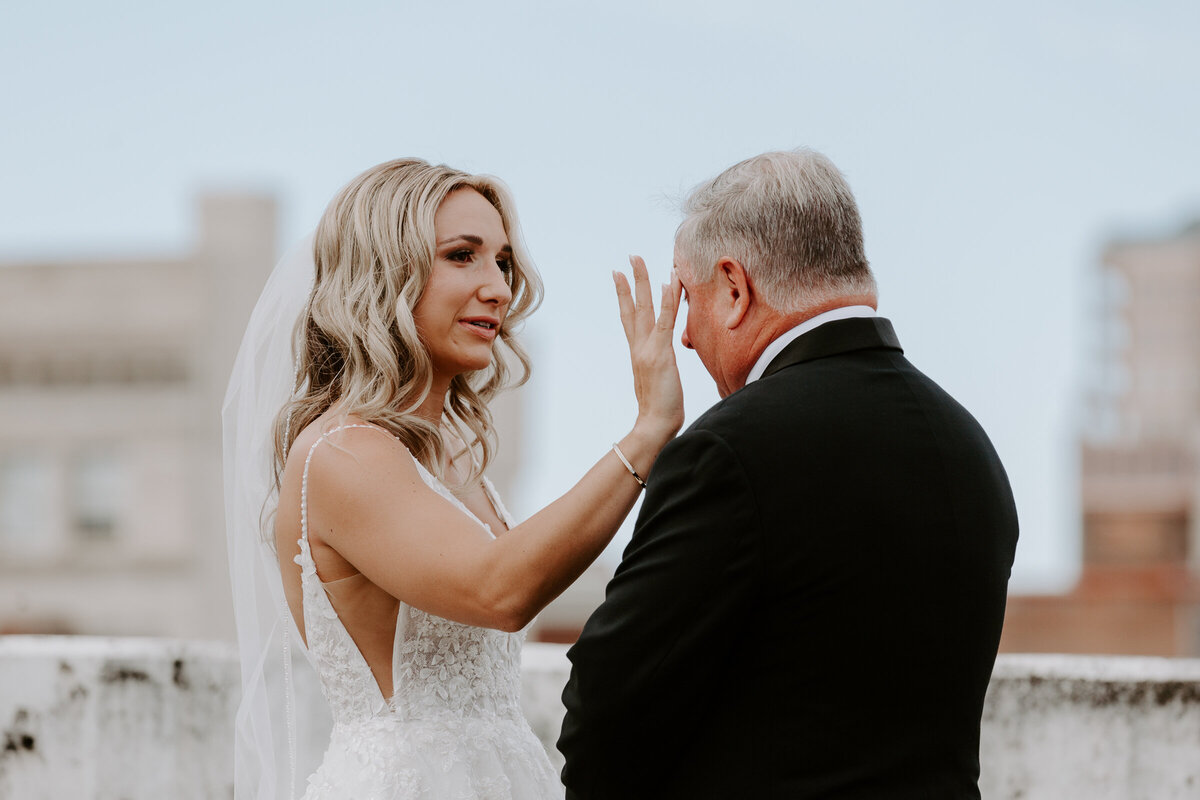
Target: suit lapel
<point x="833" y="338"/>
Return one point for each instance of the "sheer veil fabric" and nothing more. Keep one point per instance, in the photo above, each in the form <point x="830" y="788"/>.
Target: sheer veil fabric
<point x="263" y="378"/>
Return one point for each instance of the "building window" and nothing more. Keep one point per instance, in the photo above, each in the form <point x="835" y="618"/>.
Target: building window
<point x="97" y="487"/>
<point x="26" y="504"/>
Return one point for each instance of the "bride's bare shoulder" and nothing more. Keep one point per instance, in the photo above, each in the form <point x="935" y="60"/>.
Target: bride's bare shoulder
<point x="340" y="431"/>
<point x="350" y="445"/>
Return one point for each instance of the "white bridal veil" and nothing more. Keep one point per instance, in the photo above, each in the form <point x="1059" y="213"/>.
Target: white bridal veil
<point x="266" y="750"/>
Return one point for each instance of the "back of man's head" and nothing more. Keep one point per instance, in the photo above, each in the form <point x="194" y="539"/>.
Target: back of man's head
<point x="790" y="219"/>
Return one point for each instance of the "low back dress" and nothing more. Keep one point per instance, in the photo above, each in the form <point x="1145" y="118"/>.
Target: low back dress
<point x="453" y="727"/>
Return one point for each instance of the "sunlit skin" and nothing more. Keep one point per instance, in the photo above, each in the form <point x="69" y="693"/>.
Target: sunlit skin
<point x="464" y="304"/>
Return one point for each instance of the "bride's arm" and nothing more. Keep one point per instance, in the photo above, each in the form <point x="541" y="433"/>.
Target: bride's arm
<point x="369" y="503"/>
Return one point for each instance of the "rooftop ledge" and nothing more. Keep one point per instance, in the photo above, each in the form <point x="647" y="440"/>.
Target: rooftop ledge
<point x="90" y="717"/>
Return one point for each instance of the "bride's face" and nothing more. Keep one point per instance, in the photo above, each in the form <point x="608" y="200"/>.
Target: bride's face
<point x="465" y="301"/>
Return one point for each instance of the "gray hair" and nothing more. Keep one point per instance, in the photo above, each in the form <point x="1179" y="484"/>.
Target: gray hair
<point x="790" y="219"/>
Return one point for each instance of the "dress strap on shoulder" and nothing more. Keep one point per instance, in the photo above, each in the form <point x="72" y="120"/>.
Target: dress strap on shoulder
<point x="308" y="460"/>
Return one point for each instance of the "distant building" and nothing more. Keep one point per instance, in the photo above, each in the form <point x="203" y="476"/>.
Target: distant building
<point x="111" y="378"/>
<point x="1139" y="591"/>
<point x="112" y="373"/>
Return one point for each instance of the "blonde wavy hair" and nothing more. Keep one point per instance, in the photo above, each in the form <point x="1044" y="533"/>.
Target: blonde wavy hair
<point x="357" y="343"/>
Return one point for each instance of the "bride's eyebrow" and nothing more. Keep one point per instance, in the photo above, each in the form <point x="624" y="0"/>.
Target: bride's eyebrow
<point x="466" y="237"/>
<point x="473" y="239"/>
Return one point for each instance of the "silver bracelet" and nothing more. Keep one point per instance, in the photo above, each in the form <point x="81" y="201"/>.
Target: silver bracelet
<point x="628" y="466"/>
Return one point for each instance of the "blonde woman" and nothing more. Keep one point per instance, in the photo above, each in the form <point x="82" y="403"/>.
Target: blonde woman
<point x="408" y="583"/>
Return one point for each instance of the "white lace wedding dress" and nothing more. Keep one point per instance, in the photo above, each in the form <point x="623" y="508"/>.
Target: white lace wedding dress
<point x="453" y="727"/>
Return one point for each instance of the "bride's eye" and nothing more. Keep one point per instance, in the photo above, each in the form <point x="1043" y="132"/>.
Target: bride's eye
<point x="506" y="264"/>
<point x="461" y="256"/>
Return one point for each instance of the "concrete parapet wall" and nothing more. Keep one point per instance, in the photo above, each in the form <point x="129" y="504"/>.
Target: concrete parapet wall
<point x="544" y="673"/>
<point x="1104" y="728"/>
<point x="94" y="718"/>
<point x="108" y="719"/>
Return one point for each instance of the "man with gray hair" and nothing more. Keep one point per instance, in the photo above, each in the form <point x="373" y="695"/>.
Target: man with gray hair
<point x="811" y="602"/>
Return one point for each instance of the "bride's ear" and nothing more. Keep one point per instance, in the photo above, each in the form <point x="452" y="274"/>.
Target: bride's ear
<point x="735" y="290"/>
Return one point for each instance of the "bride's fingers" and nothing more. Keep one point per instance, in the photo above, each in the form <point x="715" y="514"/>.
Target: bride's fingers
<point x="643" y="297"/>
<point x="671" y="292"/>
<point x="624" y="304"/>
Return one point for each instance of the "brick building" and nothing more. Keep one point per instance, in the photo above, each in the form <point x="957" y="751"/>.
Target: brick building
<point x="1139" y="589"/>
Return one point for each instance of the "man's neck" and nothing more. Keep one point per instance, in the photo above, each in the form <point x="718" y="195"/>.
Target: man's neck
<point x="778" y="323"/>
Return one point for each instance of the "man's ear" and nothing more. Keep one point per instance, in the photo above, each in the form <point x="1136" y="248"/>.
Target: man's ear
<point x="735" y="290"/>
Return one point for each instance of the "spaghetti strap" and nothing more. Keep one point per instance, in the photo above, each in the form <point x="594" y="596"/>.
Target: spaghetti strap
<point x="308" y="460"/>
<point x="317" y="602"/>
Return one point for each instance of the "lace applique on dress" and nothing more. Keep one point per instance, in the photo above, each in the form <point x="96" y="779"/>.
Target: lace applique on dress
<point x="453" y="727"/>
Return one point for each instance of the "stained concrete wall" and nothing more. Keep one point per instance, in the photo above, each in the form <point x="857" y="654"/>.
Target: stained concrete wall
<point x="109" y="719"/>
<point x="1103" y="728"/>
<point x="116" y="719"/>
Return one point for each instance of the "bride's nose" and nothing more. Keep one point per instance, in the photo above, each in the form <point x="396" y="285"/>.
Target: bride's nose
<point x="496" y="289"/>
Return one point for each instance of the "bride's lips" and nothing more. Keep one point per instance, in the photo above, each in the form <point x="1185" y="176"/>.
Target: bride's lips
<point x="483" y="327"/>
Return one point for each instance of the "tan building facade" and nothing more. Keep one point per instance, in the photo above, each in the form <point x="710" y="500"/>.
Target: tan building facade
<point x="1139" y="591"/>
<point x="111" y="379"/>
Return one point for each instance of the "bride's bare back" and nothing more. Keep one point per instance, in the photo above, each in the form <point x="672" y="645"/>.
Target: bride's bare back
<point x="422" y="705"/>
<point x="366" y="610"/>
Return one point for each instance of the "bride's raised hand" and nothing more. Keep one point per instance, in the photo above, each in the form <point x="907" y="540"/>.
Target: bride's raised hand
<point x="651" y="349"/>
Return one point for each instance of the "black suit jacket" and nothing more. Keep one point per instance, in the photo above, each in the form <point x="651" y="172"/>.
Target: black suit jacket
<point x="812" y="599"/>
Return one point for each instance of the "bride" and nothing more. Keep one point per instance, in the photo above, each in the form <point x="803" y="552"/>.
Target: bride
<point x="357" y="413"/>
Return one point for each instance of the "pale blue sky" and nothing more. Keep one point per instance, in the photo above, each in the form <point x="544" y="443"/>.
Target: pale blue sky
<point x="993" y="153"/>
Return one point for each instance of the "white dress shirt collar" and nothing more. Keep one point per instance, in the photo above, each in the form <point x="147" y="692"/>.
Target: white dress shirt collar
<point x="786" y="338"/>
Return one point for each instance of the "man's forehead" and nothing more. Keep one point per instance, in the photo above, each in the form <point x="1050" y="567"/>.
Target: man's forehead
<point x="682" y="267"/>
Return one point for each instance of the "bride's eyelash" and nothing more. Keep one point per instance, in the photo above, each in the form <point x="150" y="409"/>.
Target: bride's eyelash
<point x="505" y="263"/>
